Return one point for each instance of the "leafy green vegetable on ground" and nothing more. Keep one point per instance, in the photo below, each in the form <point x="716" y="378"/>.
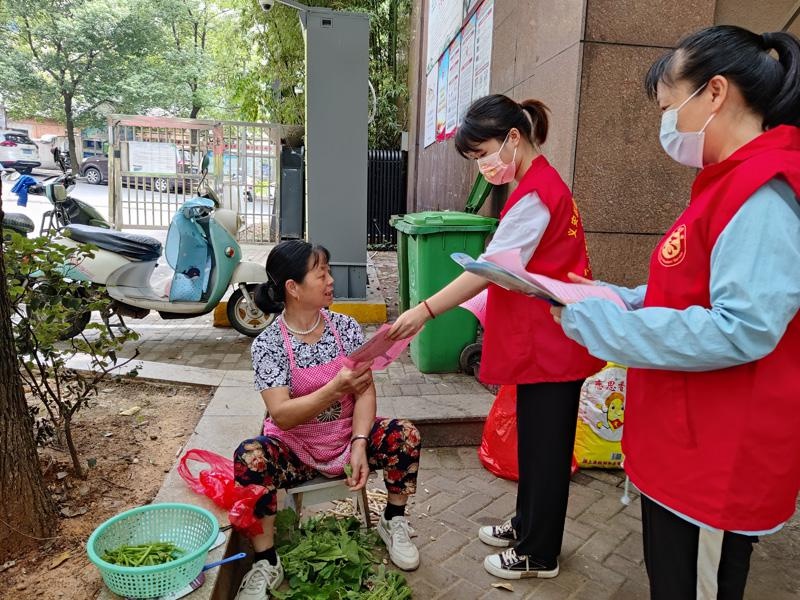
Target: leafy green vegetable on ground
<point x="143" y="555"/>
<point x="333" y="559"/>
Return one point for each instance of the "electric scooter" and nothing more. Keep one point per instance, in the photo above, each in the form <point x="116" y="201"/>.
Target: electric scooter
<point x="201" y="246"/>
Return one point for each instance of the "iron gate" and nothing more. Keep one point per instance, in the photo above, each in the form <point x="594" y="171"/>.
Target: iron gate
<point x="154" y="166"/>
<point x="386" y="195"/>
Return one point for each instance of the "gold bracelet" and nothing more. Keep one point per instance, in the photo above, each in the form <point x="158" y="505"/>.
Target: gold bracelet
<point x="359" y="437"/>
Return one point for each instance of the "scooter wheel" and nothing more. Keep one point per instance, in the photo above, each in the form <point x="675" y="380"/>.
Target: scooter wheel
<point x="242" y="319"/>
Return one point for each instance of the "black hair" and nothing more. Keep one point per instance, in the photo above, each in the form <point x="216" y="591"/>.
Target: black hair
<point x="770" y="86"/>
<point x="292" y="259"/>
<point x="492" y="117"/>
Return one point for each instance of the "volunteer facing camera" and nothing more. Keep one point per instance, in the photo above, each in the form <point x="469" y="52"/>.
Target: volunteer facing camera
<point x="322" y="413"/>
<point x="521" y="344"/>
<point x="716" y="330"/>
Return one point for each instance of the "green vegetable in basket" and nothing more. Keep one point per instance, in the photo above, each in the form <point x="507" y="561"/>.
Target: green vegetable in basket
<point x="143" y="555"/>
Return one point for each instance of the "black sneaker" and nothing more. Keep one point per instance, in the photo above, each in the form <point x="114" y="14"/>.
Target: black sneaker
<point x="510" y="565"/>
<point x="501" y="536"/>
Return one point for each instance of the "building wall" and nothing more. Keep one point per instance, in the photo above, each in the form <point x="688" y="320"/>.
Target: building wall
<point x="36" y="129"/>
<point x="587" y="60"/>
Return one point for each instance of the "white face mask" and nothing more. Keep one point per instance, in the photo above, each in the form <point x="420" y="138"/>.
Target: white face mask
<point x="683" y="146"/>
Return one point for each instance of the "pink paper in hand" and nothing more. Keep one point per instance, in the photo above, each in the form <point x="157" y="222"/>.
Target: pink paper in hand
<point x="477" y="306"/>
<point x="378" y="349"/>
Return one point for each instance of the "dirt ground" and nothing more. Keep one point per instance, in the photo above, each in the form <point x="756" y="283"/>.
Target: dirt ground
<point x="130" y="454"/>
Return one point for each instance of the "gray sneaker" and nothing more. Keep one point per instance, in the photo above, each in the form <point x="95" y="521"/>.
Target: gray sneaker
<point x="260" y="580"/>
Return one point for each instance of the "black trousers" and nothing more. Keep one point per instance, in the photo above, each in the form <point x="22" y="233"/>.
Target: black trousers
<point x="673" y="549"/>
<point x="546" y="417"/>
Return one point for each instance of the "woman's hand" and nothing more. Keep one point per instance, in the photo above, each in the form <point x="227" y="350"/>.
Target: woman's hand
<point x="409" y="323"/>
<point x="354" y="381"/>
<point x="578" y="279"/>
<point x="556" y="312"/>
<point x="358" y="460"/>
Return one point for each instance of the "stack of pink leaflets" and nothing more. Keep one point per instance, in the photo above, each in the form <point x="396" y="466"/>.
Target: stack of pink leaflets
<point x="507" y="270"/>
<point x="378" y="349"/>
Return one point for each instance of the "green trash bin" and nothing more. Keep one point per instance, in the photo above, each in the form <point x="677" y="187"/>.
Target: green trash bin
<point x="402" y="265"/>
<point x="430" y="238"/>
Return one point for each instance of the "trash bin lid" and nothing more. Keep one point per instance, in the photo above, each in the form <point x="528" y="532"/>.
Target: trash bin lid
<point x="439" y="221"/>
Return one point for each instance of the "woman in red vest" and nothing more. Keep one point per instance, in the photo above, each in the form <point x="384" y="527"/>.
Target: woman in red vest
<point x="521" y="343"/>
<point x="712" y="416"/>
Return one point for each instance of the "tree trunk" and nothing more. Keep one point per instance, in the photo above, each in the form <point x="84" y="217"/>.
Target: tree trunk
<point x="24" y="502"/>
<point x="75" y="157"/>
<point x="73" y="451"/>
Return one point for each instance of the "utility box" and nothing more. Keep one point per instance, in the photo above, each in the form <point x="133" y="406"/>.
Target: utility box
<point x="337" y="93"/>
<point x="293" y="193"/>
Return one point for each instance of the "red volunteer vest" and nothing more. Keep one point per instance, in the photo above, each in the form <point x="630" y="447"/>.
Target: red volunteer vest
<point x="722" y="447"/>
<point x="522" y="343"/>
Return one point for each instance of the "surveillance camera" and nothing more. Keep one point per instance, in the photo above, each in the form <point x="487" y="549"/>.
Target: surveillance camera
<point x="266" y="5"/>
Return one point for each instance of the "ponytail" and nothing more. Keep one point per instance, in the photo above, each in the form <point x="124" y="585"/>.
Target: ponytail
<point x="537" y="111"/>
<point x="785" y="108"/>
<point x="268" y="298"/>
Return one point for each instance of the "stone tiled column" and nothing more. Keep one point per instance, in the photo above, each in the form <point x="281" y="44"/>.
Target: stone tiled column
<point x="628" y="189"/>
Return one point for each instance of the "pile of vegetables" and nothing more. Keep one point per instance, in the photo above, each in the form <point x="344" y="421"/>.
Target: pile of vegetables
<point x="332" y="559"/>
<point x="143" y="555"/>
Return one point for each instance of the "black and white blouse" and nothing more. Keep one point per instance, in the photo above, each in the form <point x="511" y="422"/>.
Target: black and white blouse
<point x="271" y="361"/>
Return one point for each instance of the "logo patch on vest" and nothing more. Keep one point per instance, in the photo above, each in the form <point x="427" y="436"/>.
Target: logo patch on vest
<point x="673" y="249"/>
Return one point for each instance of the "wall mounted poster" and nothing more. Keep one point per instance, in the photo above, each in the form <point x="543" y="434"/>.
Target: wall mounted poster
<point x="441" y="97"/>
<point x="465" y="79"/>
<point x="483" y="49"/>
<point x="444" y="20"/>
<point x="453" y="71"/>
<point x="430" y="107"/>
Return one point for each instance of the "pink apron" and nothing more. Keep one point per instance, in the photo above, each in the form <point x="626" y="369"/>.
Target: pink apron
<point x="324" y="441"/>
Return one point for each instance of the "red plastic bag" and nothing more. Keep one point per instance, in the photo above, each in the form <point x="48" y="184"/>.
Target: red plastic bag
<point x="498" y="451"/>
<point x="218" y="484"/>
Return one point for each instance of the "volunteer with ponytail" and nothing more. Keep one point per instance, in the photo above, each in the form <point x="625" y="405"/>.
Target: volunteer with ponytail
<point x="321" y="412"/>
<point x="521" y="344"/>
<point x="711" y="417"/>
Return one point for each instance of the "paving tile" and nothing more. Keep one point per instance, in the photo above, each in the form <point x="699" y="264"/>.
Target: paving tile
<point x="549" y="590"/>
<point x="460" y="591"/>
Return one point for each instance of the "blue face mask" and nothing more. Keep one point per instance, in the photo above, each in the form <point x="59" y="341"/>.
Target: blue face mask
<point x="683" y="146"/>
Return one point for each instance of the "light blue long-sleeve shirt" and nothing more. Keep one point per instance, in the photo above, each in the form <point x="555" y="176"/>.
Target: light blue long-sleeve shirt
<point x="754" y="290"/>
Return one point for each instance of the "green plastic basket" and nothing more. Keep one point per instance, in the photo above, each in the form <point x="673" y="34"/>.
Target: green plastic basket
<point x="191" y="528"/>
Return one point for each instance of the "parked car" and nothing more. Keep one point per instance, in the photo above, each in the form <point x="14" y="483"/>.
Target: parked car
<point x="18" y="151"/>
<point x="95" y="169"/>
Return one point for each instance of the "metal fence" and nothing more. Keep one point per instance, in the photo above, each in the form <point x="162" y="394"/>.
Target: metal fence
<point x="155" y="163"/>
<point x="386" y="195"/>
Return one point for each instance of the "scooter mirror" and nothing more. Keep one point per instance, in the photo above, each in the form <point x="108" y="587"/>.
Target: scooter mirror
<point x="204" y="164"/>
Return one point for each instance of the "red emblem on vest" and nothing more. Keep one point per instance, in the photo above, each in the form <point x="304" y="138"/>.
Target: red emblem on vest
<point x="673" y="250"/>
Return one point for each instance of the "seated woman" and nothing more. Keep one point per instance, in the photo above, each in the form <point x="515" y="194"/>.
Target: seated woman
<point x="321" y="413"/>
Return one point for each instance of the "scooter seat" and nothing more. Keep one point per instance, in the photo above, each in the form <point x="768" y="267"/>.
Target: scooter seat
<point x="131" y="245"/>
<point x="18" y="222"/>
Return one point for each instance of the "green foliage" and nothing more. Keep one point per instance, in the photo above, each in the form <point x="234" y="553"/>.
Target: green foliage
<point x="46" y="308"/>
<point x="271" y="87"/>
<point x="332" y="559"/>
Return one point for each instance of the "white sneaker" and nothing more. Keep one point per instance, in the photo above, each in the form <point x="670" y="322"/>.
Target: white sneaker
<point x="396" y="534"/>
<point x="260" y="580"/>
